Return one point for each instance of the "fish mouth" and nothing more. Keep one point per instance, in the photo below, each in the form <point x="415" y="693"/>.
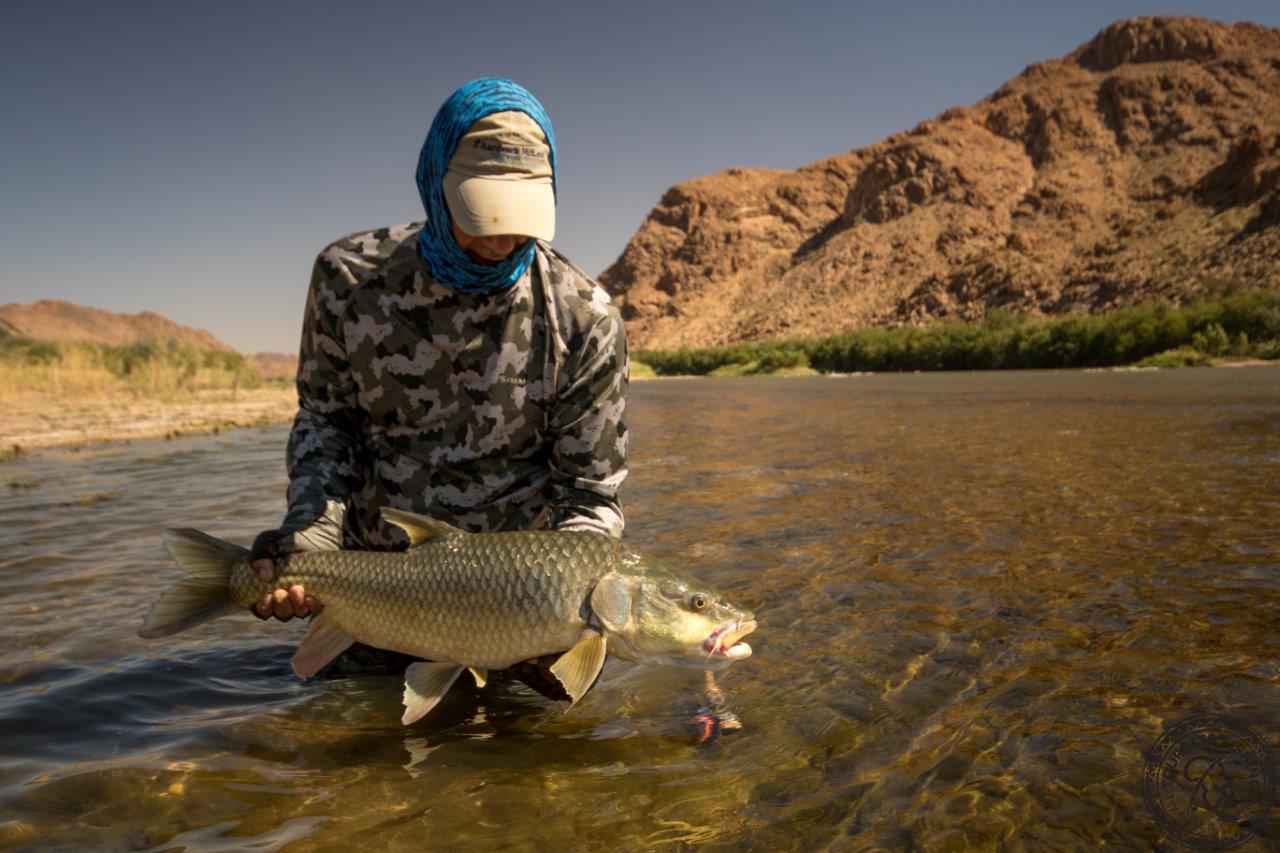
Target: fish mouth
<point x="723" y="642"/>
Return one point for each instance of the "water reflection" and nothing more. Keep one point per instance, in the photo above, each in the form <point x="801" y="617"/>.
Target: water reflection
<point x="981" y="599"/>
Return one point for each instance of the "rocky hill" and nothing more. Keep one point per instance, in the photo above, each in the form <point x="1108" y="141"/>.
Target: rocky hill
<point x="56" y="320"/>
<point x="1146" y="164"/>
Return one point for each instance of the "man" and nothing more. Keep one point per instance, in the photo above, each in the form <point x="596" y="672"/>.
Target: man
<point x="461" y="367"/>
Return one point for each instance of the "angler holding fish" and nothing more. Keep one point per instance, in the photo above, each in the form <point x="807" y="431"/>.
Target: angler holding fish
<point x="456" y="375"/>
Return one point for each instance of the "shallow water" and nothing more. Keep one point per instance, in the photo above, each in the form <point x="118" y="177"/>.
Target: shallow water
<point x="982" y="597"/>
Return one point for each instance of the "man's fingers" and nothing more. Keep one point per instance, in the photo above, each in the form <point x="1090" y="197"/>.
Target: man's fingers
<point x="286" y="604"/>
<point x="283" y="607"/>
<point x="298" y="598"/>
<point x="265" y="569"/>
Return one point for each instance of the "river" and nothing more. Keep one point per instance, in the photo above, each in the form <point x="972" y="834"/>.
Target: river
<point x="982" y="598"/>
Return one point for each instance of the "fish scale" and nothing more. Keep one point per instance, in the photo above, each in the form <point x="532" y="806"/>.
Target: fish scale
<point x="487" y="601"/>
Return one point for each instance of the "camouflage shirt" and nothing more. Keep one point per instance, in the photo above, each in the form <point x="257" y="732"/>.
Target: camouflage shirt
<point x="491" y="411"/>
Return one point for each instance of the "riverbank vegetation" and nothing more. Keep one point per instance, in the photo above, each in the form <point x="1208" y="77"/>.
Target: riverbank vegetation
<point x="151" y="369"/>
<point x="1239" y="326"/>
<point x="57" y="393"/>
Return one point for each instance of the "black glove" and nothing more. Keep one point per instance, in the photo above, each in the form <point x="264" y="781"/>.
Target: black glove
<point x="289" y="538"/>
<point x="271" y="545"/>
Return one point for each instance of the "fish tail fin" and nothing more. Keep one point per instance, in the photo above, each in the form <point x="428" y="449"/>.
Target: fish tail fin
<point x="205" y="593"/>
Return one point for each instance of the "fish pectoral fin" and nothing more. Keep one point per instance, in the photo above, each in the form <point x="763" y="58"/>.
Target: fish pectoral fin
<point x="325" y="640"/>
<point x="425" y="685"/>
<point x="420" y="528"/>
<point x="480" y="675"/>
<point x="611" y="601"/>
<point x="577" y="668"/>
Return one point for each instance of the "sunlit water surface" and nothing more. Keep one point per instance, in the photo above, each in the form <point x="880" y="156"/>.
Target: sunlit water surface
<point x="981" y="599"/>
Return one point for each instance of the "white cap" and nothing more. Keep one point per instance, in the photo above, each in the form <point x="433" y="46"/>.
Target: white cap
<point x="499" y="180"/>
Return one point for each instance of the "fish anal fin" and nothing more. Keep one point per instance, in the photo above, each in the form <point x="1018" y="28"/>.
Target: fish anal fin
<point x="425" y="685"/>
<point x="577" y="668"/>
<point x="420" y="528"/>
<point x="480" y="675"/>
<point x="325" y="640"/>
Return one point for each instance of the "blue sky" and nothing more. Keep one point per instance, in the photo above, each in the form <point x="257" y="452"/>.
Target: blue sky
<point x="191" y="158"/>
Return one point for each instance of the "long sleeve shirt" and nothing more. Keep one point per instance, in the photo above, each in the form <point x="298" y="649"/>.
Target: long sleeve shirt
<point x="496" y="411"/>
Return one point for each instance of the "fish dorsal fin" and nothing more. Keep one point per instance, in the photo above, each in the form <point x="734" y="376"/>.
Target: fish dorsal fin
<point x="419" y="527"/>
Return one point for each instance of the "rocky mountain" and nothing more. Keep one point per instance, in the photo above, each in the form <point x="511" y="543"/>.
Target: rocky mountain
<point x="56" y="320"/>
<point x="1145" y="164"/>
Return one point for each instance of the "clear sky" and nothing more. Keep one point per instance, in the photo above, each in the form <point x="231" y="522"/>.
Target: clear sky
<point x="191" y="158"/>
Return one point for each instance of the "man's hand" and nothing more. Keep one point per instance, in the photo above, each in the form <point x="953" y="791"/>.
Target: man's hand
<point x="269" y="546"/>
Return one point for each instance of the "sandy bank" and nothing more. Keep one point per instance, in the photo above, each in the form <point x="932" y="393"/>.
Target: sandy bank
<point x="43" y="421"/>
<point x="30" y="423"/>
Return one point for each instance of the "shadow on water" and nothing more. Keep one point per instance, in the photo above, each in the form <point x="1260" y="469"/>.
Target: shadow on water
<point x="982" y="597"/>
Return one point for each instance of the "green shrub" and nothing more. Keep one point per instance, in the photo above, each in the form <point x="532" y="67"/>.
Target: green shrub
<point x="1180" y="357"/>
<point x="1211" y="341"/>
<point x="779" y="358"/>
<point x="640" y="370"/>
<point x="1237" y="324"/>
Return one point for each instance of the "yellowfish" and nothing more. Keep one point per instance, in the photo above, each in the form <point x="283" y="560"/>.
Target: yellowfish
<point x="475" y="601"/>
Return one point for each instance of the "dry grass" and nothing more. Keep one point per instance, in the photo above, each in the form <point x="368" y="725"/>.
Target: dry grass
<point x="162" y="370"/>
<point x="79" y="393"/>
<point x="76" y="376"/>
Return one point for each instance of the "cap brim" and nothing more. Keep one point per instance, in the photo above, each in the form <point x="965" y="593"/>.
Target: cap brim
<point x="485" y="207"/>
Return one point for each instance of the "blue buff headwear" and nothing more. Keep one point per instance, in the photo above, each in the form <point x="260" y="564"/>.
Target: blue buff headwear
<point x="448" y="263"/>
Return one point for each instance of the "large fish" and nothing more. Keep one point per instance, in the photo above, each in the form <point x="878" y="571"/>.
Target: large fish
<point x="476" y="601"/>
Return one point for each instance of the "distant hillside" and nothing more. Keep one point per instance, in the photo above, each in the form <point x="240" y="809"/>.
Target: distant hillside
<point x="1144" y="165"/>
<point x="276" y="365"/>
<point x="56" y="320"/>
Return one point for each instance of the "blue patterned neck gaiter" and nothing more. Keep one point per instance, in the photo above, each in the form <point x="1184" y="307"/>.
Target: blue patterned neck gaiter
<point x="444" y="258"/>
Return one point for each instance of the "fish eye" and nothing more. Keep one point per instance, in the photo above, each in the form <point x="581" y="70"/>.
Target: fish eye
<point x="698" y="601"/>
